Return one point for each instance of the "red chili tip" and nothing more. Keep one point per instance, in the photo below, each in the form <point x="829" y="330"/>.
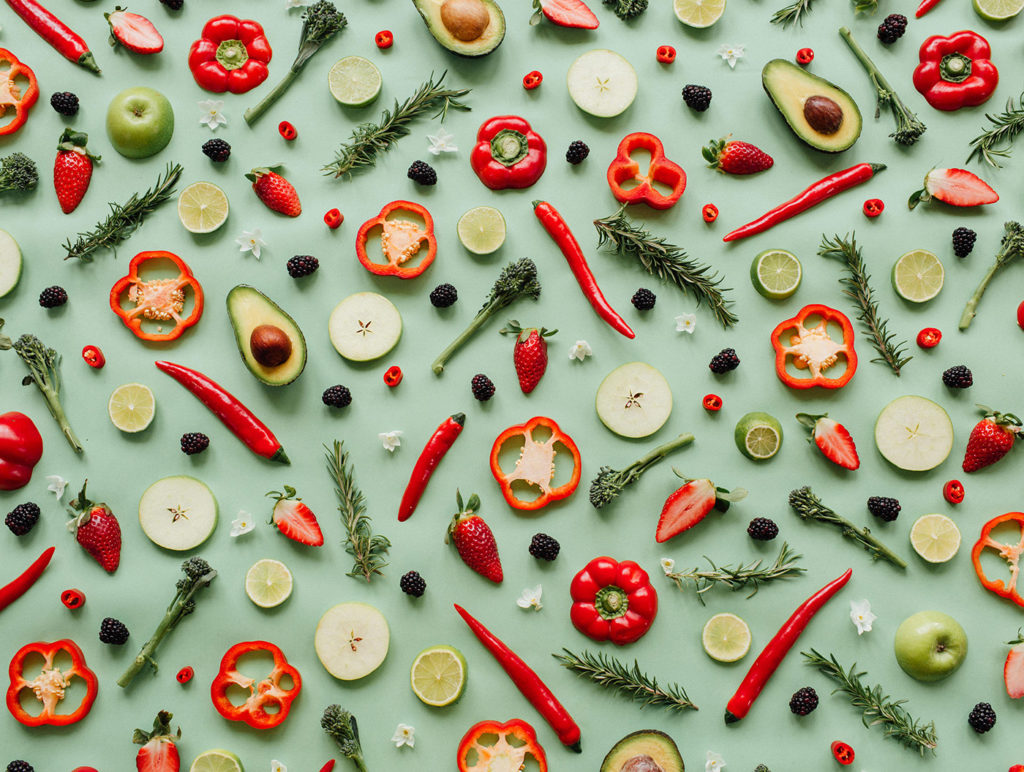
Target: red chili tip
<point x="393" y="376"/>
<point x="953" y="492"/>
<point x="72" y="599"/>
<point x="712" y="403"/>
<point x="666" y="54"/>
<point x="805" y="56"/>
<point x="334" y="218"/>
<point x="383" y="39"/>
<point x="328" y="766"/>
<point x="287" y="130"/>
<point x="929" y="337"/>
<point x="874" y="207"/>
<point x="93" y="357"/>
<point x="709" y="212"/>
<point x="842" y="753"/>
<point x="532" y="79"/>
<point x="185" y="674"/>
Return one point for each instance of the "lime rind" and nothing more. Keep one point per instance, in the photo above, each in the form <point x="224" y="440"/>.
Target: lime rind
<point x="776" y="274"/>
<point x="482" y="230"/>
<point x="354" y="81"/>
<point x="918" y="276"/>
<point x="699" y="13"/>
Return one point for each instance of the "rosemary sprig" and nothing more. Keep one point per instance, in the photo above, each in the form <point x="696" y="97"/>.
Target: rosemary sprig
<point x="995" y="142"/>
<point x="627" y="681"/>
<point x="365" y="547"/>
<point x="809" y="507"/>
<point x="857" y="287"/>
<point x="1010" y="248"/>
<point x="124" y="219"/>
<point x="665" y="261"/>
<point x="368" y="140"/>
<point x="737" y="578"/>
<point x="792" y="13"/>
<point x="876" y="706"/>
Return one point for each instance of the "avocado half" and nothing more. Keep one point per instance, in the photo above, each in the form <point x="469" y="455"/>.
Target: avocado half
<point x="464" y="27"/>
<point x="818" y="111"/>
<point x="269" y="341"/>
<point x="646" y="751"/>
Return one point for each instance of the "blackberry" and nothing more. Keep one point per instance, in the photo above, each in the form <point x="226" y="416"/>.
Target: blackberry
<point x="724" y="361"/>
<point x="54" y="296"/>
<point x="194" y="442"/>
<point x="412" y="584"/>
<point x="65" y="103"/>
<point x="20" y="766"/>
<point x="443" y="295"/>
<point x="761" y="768"/>
<point x="697" y="97"/>
<point x="483" y="387"/>
<point x="958" y="377"/>
<point x="174" y="5"/>
<point x="544" y="547"/>
<point x="113" y="631"/>
<point x="302" y="265"/>
<point x="982" y="718"/>
<point x="217" y="150"/>
<point x="963" y="241"/>
<point x="422" y="173"/>
<point x="762" y="529"/>
<point x="884" y="508"/>
<point x="804" y="701"/>
<point x="22" y="518"/>
<point x="577" y="151"/>
<point x="337" y="396"/>
<point x="643" y="299"/>
<point x="892" y="29"/>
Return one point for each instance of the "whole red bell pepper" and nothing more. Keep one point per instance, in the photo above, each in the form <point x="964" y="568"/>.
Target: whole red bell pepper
<point x="488" y="744"/>
<point x="230" y="55"/>
<point x="508" y="153"/>
<point x="536" y="463"/>
<point x="624" y="168"/>
<point x="267" y="692"/>
<point x="15" y="102"/>
<point x="613" y="601"/>
<point x="811" y="348"/>
<point x="21" y="447"/>
<point x="50" y="684"/>
<point x="400" y="241"/>
<point x="1011" y="553"/>
<point x="956" y="71"/>
<point x="157" y="299"/>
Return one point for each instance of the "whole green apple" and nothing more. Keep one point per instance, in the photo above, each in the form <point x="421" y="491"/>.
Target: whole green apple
<point x="140" y="122"/>
<point x="930" y="645"/>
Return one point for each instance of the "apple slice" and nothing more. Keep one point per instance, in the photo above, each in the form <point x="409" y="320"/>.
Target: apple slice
<point x="178" y="513"/>
<point x="10" y="263"/>
<point x="634" y="400"/>
<point x="352" y="640"/>
<point x="602" y="83"/>
<point x="914" y="433"/>
<point x="364" y="326"/>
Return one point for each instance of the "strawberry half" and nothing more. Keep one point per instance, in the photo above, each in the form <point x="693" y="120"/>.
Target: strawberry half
<point x="96" y="528"/>
<point x="275" y="191"/>
<point x="474" y="539"/>
<point x="134" y="32"/>
<point x="991" y="439"/>
<point x="530" y="354"/>
<point x="832" y="439"/>
<point x="565" y="13"/>
<point x="956" y="187"/>
<point x="690" y="504"/>
<point x="1013" y="670"/>
<point x="158" y="752"/>
<point x="294" y="519"/>
<point x="72" y="169"/>
<point x="732" y="157"/>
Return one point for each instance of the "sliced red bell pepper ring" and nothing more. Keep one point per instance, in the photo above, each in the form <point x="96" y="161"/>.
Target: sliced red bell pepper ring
<point x="508" y="153"/>
<point x="956" y="71"/>
<point x="624" y="168"/>
<point x="11" y="95"/>
<point x="536" y="463"/>
<point x="500" y="753"/>
<point x="230" y="55"/>
<point x="613" y="601"/>
<point x="264" y="693"/>
<point x="51" y="683"/>
<point x="813" y="349"/>
<point x="1011" y="553"/>
<point x="400" y="241"/>
<point x="157" y="299"/>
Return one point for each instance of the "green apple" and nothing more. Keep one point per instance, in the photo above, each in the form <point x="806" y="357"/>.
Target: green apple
<point x="930" y="645"/>
<point x="140" y="122"/>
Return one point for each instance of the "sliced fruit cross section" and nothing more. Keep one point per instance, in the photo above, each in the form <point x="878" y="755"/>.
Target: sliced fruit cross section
<point x="354" y="81"/>
<point x="758" y="436"/>
<point x="914" y="433"/>
<point x="482" y="230"/>
<point x="268" y="583"/>
<point x="364" y="326"/>
<point x="602" y="83"/>
<point x="634" y="400"/>
<point x="935" y="538"/>
<point x="178" y="513"/>
<point x="776" y="274"/>
<point x="726" y="637"/>
<point x="352" y="640"/>
<point x="131" y="407"/>
<point x="918" y="276"/>
<point x="438" y="675"/>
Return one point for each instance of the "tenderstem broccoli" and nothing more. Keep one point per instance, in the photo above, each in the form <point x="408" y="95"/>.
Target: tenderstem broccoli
<point x="609" y="483"/>
<point x="342" y="727"/>
<point x="44" y="371"/>
<point x="18" y="172"/>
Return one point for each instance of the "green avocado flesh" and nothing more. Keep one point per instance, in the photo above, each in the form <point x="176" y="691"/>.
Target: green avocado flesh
<point x="819" y="112"/>
<point x="644" y="751"/>
<point x="464" y="27"/>
<point x="269" y="341"/>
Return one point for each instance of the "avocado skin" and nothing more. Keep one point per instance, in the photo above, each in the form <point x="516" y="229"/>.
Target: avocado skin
<point x="779" y="72"/>
<point x="430" y="11"/>
<point x="648" y="742"/>
<point x="247" y="309"/>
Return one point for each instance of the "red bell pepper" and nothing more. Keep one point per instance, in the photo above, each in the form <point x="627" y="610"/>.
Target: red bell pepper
<point x="21" y="447"/>
<point x="536" y="463"/>
<point x="1011" y="553"/>
<point x="230" y="55"/>
<point x="813" y="349"/>
<point x="21" y="584"/>
<point x="400" y="240"/>
<point x="956" y="71"/>
<point x="624" y="168"/>
<point x="508" y="153"/>
<point x="488" y="744"/>
<point x="157" y="299"/>
<point x="15" y="103"/>
<point x="262" y="694"/>
<point x="49" y="686"/>
<point x="612" y="601"/>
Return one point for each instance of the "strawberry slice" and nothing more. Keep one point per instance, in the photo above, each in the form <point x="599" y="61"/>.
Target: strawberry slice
<point x="956" y="187"/>
<point x="690" y="504"/>
<point x="832" y="439"/>
<point x="1013" y="670"/>
<point x="134" y="31"/>
<point x="565" y="13"/>
<point x="294" y="519"/>
<point x="158" y="752"/>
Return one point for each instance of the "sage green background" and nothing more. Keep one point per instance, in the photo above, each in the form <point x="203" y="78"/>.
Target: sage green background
<point x="120" y="467"/>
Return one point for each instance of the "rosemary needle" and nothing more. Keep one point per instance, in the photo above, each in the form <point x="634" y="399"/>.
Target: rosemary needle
<point x="365" y="547"/>
<point x="737" y="578"/>
<point x="628" y="681"/>
<point x="792" y="13"/>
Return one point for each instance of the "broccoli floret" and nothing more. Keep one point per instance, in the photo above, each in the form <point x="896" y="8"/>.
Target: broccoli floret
<point x="195" y="568"/>
<point x="18" y="172"/>
<point x="341" y="726"/>
<point x="627" y="9"/>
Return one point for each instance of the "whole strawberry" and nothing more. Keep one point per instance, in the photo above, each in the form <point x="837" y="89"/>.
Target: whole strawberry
<point x="158" y="752"/>
<point x="73" y="169"/>
<point x="97" y="530"/>
<point x="732" y="157"/>
<point x="275" y="191"/>
<point x="474" y="540"/>
<point x="530" y="354"/>
<point x="991" y="439"/>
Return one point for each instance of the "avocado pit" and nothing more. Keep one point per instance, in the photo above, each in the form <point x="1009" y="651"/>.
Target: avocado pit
<point x="270" y="345"/>
<point x="642" y="763"/>
<point x="824" y="115"/>
<point x="465" y="20"/>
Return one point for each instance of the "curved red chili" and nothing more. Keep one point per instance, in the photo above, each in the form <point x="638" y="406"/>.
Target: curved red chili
<point x="66" y="41"/>
<point x="953" y="491"/>
<point x="15" y="589"/>
<point x="438" y="444"/>
<point x="873" y="207"/>
<point x="393" y="376"/>
<point x="286" y="130"/>
<point x="924" y="7"/>
<point x="72" y="599"/>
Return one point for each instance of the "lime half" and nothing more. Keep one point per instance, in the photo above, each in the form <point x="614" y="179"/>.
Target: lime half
<point x="917" y="276"/>
<point x="131" y="407"/>
<point x="268" y="583"/>
<point x="217" y="761"/>
<point x="758" y="436"/>
<point x="699" y="13"/>
<point x="482" y="230"/>
<point x="726" y="637"/>
<point x="998" y="10"/>
<point x="776" y="274"/>
<point x="935" y="538"/>
<point x="354" y="81"/>
<point x="202" y="207"/>
<point x="438" y="675"/>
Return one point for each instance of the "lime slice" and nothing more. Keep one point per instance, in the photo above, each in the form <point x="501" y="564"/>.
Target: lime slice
<point x="438" y="675"/>
<point x="758" y="436"/>
<point x="699" y="13"/>
<point x="726" y="637"/>
<point x="131" y="407"/>
<point x="914" y="433"/>
<point x="917" y="276"/>
<point x="482" y="230"/>
<point x="602" y="83"/>
<point x="935" y="538"/>
<point x="202" y="207"/>
<point x="998" y="10"/>
<point x="776" y="274"/>
<point x="268" y="583"/>
<point x="217" y="761"/>
<point x="354" y="81"/>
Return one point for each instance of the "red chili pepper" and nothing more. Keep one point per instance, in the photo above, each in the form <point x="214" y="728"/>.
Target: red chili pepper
<point x="185" y="674"/>
<point x="709" y="212"/>
<point x="842" y="753"/>
<point x="73" y="599"/>
<point x="956" y="71"/>
<point x="953" y="491"/>
<point x="15" y="589"/>
<point x="777" y="648"/>
<point x="400" y="240"/>
<point x="929" y="337"/>
<point x="328" y="766"/>
<point x="21" y="447"/>
<point x="613" y="601"/>
<point x="488" y="744"/>
<point x="805" y="56"/>
<point x="532" y="80"/>
<point x="813" y="349"/>
<point x="821" y="190"/>
<point x="528" y="683"/>
<point x="234" y="415"/>
<point x="93" y="356"/>
<point x="536" y="464"/>
<point x="1011" y="553"/>
<point x="438" y="444"/>
<point x="558" y="229"/>
<point x="712" y="403"/>
<point x="49" y="685"/>
<point x="230" y="55"/>
<point x="924" y="7"/>
<point x="393" y="376"/>
<point x="287" y="131"/>
<point x="384" y="39"/>
<point x="660" y="170"/>
<point x="508" y="153"/>
<point x="17" y="102"/>
<point x="55" y="32"/>
<point x="157" y="300"/>
<point x="666" y="54"/>
<point x="263" y="694"/>
<point x="874" y="207"/>
<point x="334" y="218"/>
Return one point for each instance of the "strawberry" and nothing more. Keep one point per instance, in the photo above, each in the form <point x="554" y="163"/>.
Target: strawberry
<point x="73" y="169"/>
<point x="275" y="191"/>
<point x="97" y="530"/>
<point x="530" y="354"/>
<point x="158" y="752"/>
<point x="565" y="13"/>
<point x="690" y="504"/>
<point x="1013" y="670"/>
<point x="991" y="439"/>
<point x="733" y="157"/>
<point x="832" y="439"/>
<point x="956" y="187"/>
<point x="134" y="32"/>
<point x="474" y="539"/>
<point x="294" y="519"/>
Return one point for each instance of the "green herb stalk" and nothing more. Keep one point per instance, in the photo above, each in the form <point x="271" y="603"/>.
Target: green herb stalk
<point x="365" y="547"/>
<point x="343" y="729"/>
<point x="609" y="483"/>
<point x="1010" y="248"/>
<point x="784" y="567"/>
<point x="44" y="371"/>
<point x="809" y="507"/>
<point x="995" y="142"/>
<point x="627" y="681"/>
<point x="792" y="13"/>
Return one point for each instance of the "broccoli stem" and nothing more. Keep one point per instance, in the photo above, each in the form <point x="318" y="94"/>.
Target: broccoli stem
<point x="1012" y="247"/>
<point x="43" y="364"/>
<point x="253" y="114"/>
<point x="640" y="466"/>
<point x="478" y="321"/>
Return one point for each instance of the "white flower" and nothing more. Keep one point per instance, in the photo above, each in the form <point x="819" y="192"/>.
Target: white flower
<point x="57" y="484"/>
<point x="686" y="323"/>
<point x="212" y="116"/>
<point x="251" y="241"/>
<point x="404" y="736"/>
<point x="441" y="142"/>
<point x="714" y="762"/>
<point x="390" y="440"/>
<point x="730" y="54"/>
<point x="242" y="524"/>
<point x="580" y="350"/>
<point x="668" y="565"/>
<point x="860" y="613"/>
<point x="531" y="598"/>
<point x="277" y="766"/>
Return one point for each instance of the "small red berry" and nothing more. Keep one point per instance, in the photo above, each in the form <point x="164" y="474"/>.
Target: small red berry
<point x="334" y="218"/>
<point x="287" y="131"/>
<point x="93" y="357"/>
<point x="953" y="492"/>
<point x="873" y="207"/>
<point x="1020" y="315"/>
<point x="712" y="403"/>
<point x="532" y="79"/>
<point x="805" y="56"/>
<point x="709" y="212"/>
<point x="73" y="599"/>
<point x="666" y="54"/>
<point x="393" y="376"/>
<point x="842" y="753"/>
<point x="384" y="39"/>
<point x="185" y="674"/>
<point x="929" y="337"/>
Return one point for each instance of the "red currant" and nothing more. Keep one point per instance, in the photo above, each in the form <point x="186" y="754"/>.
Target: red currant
<point x="953" y="492"/>
<point x="287" y="131"/>
<point x="532" y="79"/>
<point x="334" y="218"/>
<point x="666" y="54"/>
<point x="929" y="337"/>
<point x="873" y="207"/>
<point x="805" y="56"/>
<point x="712" y="403"/>
<point x="842" y="753"/>
<point x="393" y="376"/>
<point x="709" y="212"/>
<point x="72" y="599"/>
<point x="384" y="39"/>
